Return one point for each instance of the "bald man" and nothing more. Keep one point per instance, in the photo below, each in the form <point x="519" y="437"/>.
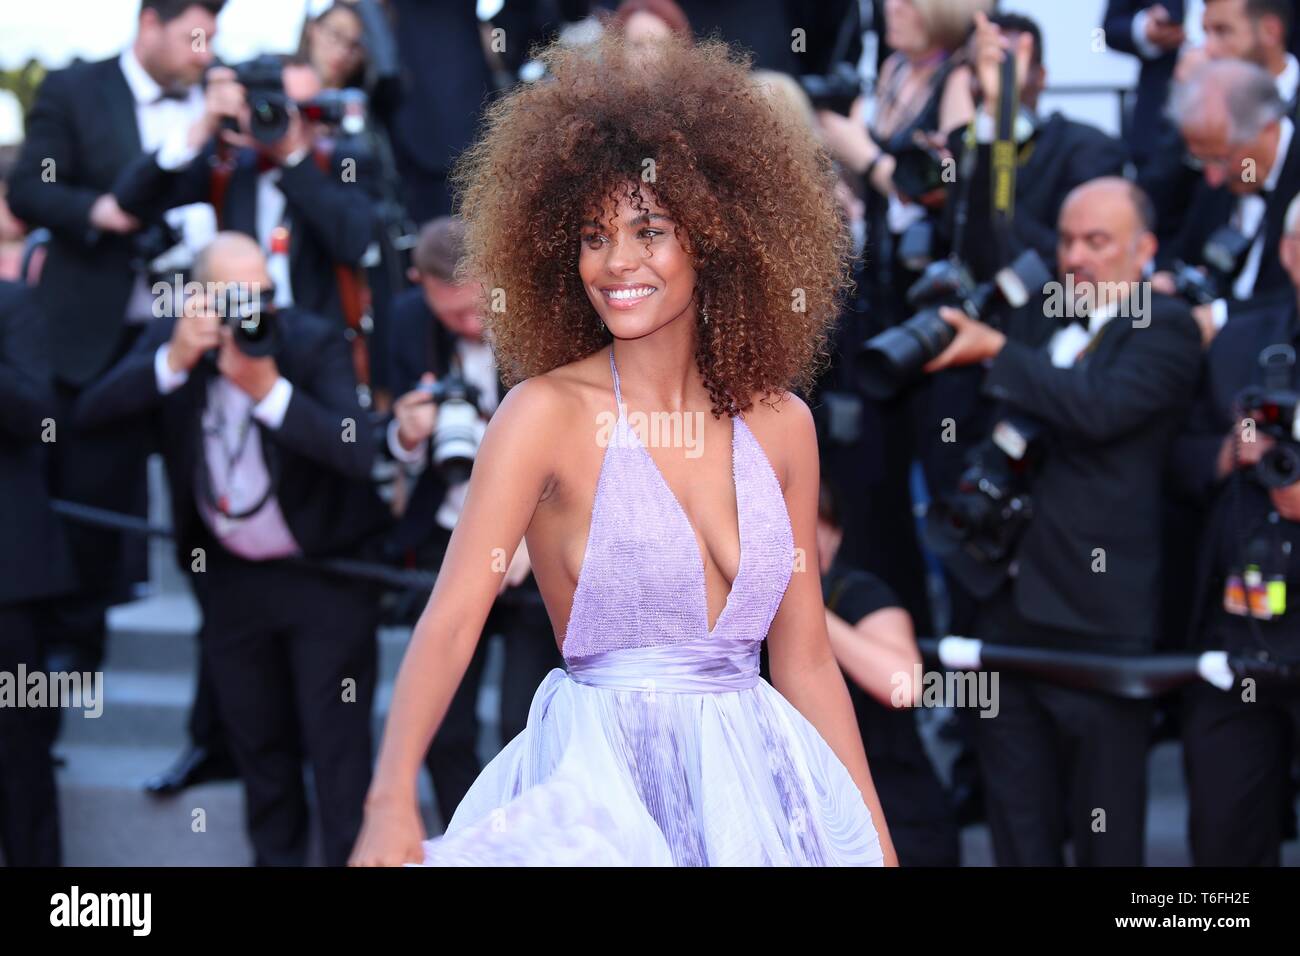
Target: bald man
<point x="1106" y="369"/>
<point x="268" y="456"/>
<point x="1237" y="129"/>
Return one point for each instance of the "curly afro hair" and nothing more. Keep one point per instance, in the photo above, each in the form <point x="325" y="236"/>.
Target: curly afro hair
<point x="749" y="185"/>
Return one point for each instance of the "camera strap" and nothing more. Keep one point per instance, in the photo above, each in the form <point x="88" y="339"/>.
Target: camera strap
<point x="1004" y="154"/>
<point x="965" y="173"/>
<point x="220" y="502"/>
<point x="1005" y="157"/>
<point x="355" y="299"/>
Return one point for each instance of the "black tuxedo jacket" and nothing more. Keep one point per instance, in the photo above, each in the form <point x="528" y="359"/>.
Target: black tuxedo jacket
<point x="1211" y="208"/>
<point x="1147" y="122"/>
<point x="331" y="220"/>
<point x="322" y="480"/>
<point x="81" y="134"/>
<point x="1231" y="364"/>
<point x="1112" y="417"/>
<point x="34" y="558"/>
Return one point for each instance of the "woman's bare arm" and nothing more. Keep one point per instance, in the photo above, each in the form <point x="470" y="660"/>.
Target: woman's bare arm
<point x="956" y="106"/>
<point x="879" y="653"/>
<point x="510" y="472"/>
<point x="803" y="667"/>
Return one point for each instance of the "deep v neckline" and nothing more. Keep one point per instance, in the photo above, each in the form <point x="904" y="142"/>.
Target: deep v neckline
<point x="681" y="512"/>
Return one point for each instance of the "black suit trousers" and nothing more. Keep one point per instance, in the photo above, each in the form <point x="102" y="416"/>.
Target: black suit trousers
<point x="293" y="659"/>
<point x="29" y="804"/>
<point x="104" y="467"/>
<point x="1059" y="763"/>
<point x="1237" y="756"/>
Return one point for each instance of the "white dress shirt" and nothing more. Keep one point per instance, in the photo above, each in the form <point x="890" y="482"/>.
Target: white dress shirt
<point x="163" y="125"/>
<point x="1068" y="343"/>
<point x="264" y="534"/>
<point x="1289" y="79"/>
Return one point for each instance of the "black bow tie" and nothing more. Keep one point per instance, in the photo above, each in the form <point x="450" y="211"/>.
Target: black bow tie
<point x="179" y="95"/>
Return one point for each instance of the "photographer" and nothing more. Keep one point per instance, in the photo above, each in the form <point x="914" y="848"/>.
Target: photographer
<point x="1237" y="129"/>
<point x="1237" y="458"/>
<point x="268" y="456"/>
<point x="352" y="48"/>
<point x="1053" y="156"/>
<point x="88" y="123"/>
<point x="269" y="179"/>
<point x="35" y="567"/>
<point x="438" y="343"/>
<point x="1084" y="575"/>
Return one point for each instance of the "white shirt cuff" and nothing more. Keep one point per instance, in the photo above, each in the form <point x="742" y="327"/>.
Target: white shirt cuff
<point x="176" y="150"/>
<point x="1214" y="668"/>
<point x="168" y="381"/>
<point x="415" y="456"/>
<point x="1219" y="313"/>
<point x="1145" y="47"/>
<point x="270" y="410"/>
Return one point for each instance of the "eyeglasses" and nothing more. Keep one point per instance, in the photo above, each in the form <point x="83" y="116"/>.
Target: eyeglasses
<point x="1200" y="165"/>
<point x="353" y="45"/>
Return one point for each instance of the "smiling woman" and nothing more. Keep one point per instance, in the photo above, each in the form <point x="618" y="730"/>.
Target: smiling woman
<point x="731" y="191"/>
<point x="650" y="202"/>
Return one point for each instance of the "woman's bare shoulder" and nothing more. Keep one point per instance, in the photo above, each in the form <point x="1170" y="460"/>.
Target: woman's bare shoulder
<point x="546" y="405"/>
<point x="783" y="424"/>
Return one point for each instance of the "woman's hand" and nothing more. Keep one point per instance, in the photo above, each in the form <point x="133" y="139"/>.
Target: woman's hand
<point x="391" y="834"/>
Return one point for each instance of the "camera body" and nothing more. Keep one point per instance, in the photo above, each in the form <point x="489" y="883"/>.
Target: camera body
<point x="1223" y="250"/>
<point x="1274" y="407"/>
<point x="251" y="313"/>
<point x="1192" y="285"/>
<point x="1275" y="414"/>
<point x="918" y="169"/>
<point x="345" y="110"/>
<point x="268" y="105"/>
<point x="460" y="428"/>
<point x="975" y="529"/>
<point x="158" y="251"/>
<point x="834" y="91"/>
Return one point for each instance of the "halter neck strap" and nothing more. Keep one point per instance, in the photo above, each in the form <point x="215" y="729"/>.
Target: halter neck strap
<point x="618" y="393"/>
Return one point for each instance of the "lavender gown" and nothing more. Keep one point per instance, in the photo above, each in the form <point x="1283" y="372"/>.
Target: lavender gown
<point x="659" y="743"/>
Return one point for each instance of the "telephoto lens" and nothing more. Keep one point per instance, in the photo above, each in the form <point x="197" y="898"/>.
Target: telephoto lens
<point x="894" y="358"/>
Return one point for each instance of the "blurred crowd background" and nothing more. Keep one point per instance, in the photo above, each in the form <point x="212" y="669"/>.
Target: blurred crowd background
<point x="1111" y="497"/>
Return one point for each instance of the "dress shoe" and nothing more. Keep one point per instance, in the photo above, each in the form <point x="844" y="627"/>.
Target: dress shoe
<point x="196" y="765"/>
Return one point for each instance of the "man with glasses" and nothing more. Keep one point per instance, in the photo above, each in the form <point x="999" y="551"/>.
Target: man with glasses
<point x="1238" y="133"/>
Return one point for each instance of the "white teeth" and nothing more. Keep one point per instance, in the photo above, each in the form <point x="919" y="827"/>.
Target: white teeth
<point x="629" y="293"/>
